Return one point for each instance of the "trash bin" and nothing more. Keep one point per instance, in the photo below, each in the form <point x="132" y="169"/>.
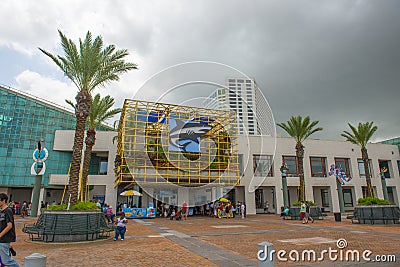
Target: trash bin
<point x="35" y="260"/>
<point x="338" y="217"/>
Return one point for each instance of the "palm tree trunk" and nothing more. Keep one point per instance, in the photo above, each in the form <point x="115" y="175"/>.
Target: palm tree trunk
<point x="364" y="155"/>
<point x="300" y="168"/>
<point x="81" y="112"/>
<point x="90" y="141"/>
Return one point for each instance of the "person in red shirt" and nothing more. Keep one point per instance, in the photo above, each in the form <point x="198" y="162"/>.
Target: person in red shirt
<point x="184" y="210"/>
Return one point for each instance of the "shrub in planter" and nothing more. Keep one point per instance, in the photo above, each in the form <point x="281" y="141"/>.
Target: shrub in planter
<point x="368" y="201"/>
<point x="298" y="203"/>
<point x="81" y="205"/>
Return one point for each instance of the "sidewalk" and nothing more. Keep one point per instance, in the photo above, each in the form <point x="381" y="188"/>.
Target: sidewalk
<point x="205" y="241"/>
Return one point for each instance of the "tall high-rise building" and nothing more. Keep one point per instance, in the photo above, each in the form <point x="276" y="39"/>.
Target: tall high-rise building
<point x="245" y="97"/>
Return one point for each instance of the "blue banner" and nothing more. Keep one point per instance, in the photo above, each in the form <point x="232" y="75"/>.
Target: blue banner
<point x="139" y="213"/>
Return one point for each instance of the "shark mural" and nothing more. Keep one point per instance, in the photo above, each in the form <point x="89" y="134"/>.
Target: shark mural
<point x="185" y="135"/>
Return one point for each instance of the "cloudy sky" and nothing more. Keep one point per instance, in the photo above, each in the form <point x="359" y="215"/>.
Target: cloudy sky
<point x="336" y="61"/>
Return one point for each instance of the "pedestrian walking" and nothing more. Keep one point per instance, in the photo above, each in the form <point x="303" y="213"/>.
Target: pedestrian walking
<point x="303" y="208"/>
<point x="308" y="214"/>
<point x="7" y="233"/>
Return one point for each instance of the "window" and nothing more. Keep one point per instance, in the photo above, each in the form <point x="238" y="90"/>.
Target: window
<point x="398" y="166"/>
<point x="347" y="197"/>
<point x="262" y="165"/>
<point x="240" y="161"/>
<point x="259" y="198"/>
<point x="325" y="198"/>
<point x="343" y="163"/>
<point x="291" y="163"/>
<point x="103" y="166"/>
<point x="385" y="164"/>
<point x="318" y="167"/>
<point x="361" y="168"/>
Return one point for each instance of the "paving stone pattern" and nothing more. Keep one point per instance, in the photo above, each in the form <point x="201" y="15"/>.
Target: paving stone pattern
<point x="205" y="241"/>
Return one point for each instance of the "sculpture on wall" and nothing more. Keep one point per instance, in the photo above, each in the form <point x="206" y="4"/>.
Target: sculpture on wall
<point x="339" y="173"/>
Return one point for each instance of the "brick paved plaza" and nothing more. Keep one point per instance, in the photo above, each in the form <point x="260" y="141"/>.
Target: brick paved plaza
<point x="205" y="241"/>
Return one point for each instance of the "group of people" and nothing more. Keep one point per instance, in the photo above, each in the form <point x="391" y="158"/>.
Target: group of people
<point x="107" y="210"/>
<point x="120" y="222"/>
<point x="215" y="209"/>
<point x="305" y="212"/>
<point x="173" y="212"/>
<point x="23" y="209"/>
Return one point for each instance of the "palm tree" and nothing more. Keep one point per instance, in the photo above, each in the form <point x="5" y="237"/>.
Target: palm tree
<point x="361" y="136"/>
<point x="90" y="67"/>
<point x="99" y="113"/>
<point x="300" y="130"/>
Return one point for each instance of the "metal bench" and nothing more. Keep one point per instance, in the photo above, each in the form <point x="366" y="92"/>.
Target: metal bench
<point x="69" y="227"/>
<point x="372" y="215"/>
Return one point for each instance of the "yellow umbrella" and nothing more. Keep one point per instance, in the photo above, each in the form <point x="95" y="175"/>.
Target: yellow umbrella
<point x="130" y="193"/>
<point x="223" y="200"/>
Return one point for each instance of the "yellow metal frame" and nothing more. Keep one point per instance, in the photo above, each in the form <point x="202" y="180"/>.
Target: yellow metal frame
<point x="145" y="155"/>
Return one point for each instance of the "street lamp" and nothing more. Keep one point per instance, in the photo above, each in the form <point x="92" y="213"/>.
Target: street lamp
<point x="284" y="169"/>
<point x="38" y="168"/>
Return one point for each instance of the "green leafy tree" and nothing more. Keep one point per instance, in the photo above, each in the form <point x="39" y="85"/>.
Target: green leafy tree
<point x="90" y="67"/>
<point x="300" y="130"/>
<point x="360" y="136"/>
<point x="100" y="111"/>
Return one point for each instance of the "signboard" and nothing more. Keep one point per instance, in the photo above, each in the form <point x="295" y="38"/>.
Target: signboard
<point x="139" y="213"/>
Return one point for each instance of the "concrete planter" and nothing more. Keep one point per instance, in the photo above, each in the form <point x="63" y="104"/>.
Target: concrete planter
<point x="71" y="226"/>
<point x="377" y="214"/>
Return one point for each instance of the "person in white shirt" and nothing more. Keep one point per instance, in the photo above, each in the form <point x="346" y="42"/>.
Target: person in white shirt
<point x="121" y="226"/>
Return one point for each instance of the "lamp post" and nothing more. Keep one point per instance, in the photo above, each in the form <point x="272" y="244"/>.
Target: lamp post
<point x="384" y="187"/>
<point x="38" y="168"/>
<point x="284" y="169"/>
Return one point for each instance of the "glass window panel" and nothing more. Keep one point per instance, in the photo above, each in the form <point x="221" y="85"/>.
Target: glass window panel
<point x="385" y="165"/>
<point x="262" y="165"/>
<point x="291" y="163"/>
<point x="318" y="166"/>
<point x="361" y="168"/>
<point x="343" y="163"/>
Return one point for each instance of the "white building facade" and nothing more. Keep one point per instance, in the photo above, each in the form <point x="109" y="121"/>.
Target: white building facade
<point x="261" y="179"/>
<point x="320" y="187"/>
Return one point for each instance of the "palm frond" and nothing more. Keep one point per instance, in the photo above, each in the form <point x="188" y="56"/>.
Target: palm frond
<point x="360" y="135"/>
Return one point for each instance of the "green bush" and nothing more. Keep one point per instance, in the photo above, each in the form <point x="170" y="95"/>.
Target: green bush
<point x="82" y="205"/>
<point x="372" y="201"/>
<point x="309" y="202"/>
<point x="57" y="207"/>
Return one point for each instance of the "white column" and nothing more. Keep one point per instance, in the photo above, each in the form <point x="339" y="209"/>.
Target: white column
<point x="250" y="201"/>
<point x="183" y="195"/>
<point x="335" y="198"/>
<point x="111" y="197"/>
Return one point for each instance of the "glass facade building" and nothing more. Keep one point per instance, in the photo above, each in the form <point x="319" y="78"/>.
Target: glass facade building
<point x="24" y="120"/>
<point x="393" y="141"/>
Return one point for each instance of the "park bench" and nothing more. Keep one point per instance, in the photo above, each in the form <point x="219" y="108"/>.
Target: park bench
<point x="69" y="226"/>
<point x="35" y="230"/>
<point x="105" y="228"/>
